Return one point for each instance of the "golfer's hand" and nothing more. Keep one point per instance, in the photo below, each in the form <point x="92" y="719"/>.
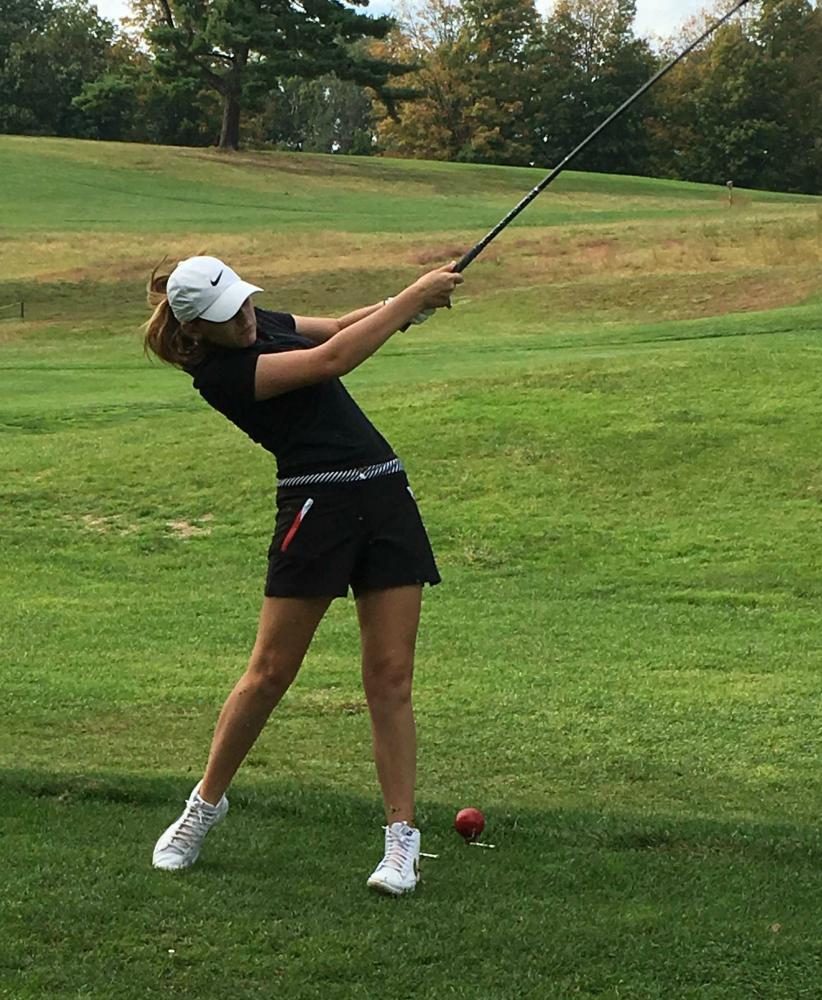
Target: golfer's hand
<point x="437" y="286"/>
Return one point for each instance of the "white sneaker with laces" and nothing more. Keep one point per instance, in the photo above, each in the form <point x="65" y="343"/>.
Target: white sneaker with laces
<point x="399" y="870"/>
<point x="180" y="844"/>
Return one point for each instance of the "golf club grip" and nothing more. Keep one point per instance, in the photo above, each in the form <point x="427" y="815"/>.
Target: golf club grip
<point x="477" y="249"/>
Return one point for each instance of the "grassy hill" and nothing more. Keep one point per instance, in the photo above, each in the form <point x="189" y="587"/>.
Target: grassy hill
<point x="112" y="187"/>
<point x="614" y="440"/>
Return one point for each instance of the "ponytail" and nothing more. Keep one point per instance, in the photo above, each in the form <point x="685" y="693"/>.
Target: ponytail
<point x="164" y="335"/>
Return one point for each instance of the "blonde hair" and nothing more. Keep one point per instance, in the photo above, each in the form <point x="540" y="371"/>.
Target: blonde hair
<point x="164" y="334"/>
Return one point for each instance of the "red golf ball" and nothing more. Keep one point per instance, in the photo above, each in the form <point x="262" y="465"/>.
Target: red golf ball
<point x="469" y="823"/>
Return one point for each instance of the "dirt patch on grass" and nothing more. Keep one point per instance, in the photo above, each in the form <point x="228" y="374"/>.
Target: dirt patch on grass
<point x="120" y="525"/>
<point x="107" y="524"/>
<point x="190" y="529"/>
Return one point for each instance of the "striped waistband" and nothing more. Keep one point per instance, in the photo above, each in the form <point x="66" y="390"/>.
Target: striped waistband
<point x="344" y="475"/>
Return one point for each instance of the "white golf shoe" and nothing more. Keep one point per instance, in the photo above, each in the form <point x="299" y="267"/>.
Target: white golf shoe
<point x="180" y="844"/>
<point x="399" y="870"/>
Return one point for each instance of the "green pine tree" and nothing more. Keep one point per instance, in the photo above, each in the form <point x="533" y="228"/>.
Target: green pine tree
<point x="243" y="48"/>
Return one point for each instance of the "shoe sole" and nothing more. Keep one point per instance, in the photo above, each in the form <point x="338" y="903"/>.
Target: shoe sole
<point x="176" y="868"/>
<point x="389" y="890"/>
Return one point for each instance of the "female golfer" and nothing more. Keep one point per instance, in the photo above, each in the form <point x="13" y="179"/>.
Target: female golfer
<point x="346" y="516"/>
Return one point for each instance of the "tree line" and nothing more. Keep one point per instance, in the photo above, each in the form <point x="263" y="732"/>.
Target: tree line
<point x="484" y="81"/>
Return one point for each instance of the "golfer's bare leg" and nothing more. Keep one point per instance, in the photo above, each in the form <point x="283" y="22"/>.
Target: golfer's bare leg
<point x="286" y="628"/>
<point x="388" y="628"/>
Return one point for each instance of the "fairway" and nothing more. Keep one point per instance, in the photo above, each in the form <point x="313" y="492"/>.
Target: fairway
<point x="614" y="440"/>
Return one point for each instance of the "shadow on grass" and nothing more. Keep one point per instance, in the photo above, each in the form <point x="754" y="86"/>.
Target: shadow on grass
<point x="309" y="808"/>
<point x="571" y="903"/>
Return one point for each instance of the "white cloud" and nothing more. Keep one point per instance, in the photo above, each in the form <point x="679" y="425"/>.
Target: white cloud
<point x="663" y="17"/>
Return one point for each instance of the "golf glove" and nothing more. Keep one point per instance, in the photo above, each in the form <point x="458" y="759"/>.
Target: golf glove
<point x="421" y="317"/>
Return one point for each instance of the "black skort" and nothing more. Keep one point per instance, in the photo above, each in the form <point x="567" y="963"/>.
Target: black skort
<point x="367" y="535"/>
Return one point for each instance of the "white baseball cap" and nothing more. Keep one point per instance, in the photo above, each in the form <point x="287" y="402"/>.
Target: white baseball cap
<point x="206" y="288"/>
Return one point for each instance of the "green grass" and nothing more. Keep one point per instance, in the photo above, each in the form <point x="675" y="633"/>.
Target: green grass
<point x="58" y="184"/>
<point x="614" y="440"/>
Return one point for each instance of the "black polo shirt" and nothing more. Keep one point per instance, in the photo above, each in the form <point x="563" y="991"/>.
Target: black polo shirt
<point x="313" y="429"/>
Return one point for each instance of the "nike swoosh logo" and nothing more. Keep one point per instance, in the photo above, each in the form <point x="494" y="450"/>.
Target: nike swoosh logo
<point x="216" y="281"/>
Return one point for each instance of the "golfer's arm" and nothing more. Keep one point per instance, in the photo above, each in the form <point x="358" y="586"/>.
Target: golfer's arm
<point x="320" y="329"/>
<point x="344" y="351"/>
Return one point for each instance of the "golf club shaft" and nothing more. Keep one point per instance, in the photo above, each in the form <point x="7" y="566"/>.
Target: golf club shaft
<point x="526" y="201"/>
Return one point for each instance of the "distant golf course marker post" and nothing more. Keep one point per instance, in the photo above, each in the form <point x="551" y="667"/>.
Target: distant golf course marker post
<point x="477" y="249"/>
<point x="13" y="310"/>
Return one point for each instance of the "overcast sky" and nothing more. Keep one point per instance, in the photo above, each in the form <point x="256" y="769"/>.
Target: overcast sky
<point x="653" y="16"/>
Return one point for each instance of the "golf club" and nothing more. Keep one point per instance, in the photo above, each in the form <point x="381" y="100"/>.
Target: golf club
<point x="465" y="260"/>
